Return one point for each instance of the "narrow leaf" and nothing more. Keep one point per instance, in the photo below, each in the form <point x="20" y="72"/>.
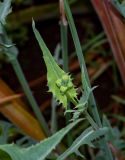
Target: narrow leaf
<point x="119" y="6"/>
<point x="5" y="9"/>
<point x="85" y="138"/>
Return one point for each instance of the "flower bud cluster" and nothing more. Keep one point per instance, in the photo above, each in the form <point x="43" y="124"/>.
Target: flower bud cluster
<point x="64" y="84"/>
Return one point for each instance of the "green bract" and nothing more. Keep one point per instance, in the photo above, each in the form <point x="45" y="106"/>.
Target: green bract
<point x="59" y="82"/>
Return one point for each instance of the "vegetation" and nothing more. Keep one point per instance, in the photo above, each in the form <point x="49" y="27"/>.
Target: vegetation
<point x="93" y="137"/>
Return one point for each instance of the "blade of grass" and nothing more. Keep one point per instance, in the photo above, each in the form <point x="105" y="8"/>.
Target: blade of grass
<point x="64" y="49"/>
<point x="92" y="43"/>
<point x="53" y="116"/>
<point x="82" y="64"/>
<point x="118" y="99"/>
<point x="81" y="59"/>
<point x="64" y="46"/>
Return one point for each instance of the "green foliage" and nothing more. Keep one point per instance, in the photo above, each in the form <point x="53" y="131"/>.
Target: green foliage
<point x="39" y="151"/>
<point x="120" y="6"/>
<point x="59" y="82"/>
<point x="20" y="2"/>
<point x="82" y="104"/>
<point x="62" y="88"/>
<point x="86" y="137"/>
<point x="4" y="156"/>
<point x="114" y="135"/>
<point x="8" y="51"/>
<point x="5" y="9"/>
<point x="5" y="131"/>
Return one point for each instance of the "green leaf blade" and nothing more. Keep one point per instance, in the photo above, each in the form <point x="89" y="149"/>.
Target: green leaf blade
<point x="54" y="72"/>
<point x="85" y="138"/>
<point x="39" y="151"/>
<point x="5" y="9"/>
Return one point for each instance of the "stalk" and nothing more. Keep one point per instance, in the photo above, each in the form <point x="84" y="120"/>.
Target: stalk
<point x="17" y="68"/>
<point x="79" y="53"/>
<point x="64" y="49"/>
<point x="53" y="117"/>
<point x="81" y="60"/>
<point x="64" y="45"/>
<point x="91" y="121"/>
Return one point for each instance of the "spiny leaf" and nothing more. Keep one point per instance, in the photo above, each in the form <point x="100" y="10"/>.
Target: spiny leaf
<point x="82" y="104"/>
<point x="59" y="82"/>
<point x="39" y="151"/>
<point x="85" y="138"/>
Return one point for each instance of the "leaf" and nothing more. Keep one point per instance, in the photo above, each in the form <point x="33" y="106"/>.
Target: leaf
<point x="119" y="6"/>
<point x="4" y="155"/>
<point x="7" y="50"/>
<point x="39" y="151"/>
<point x="5" y="9"/>
<point x="114" y="135"/>
<point x="6" y="45"/>
<point x="83" y="102"/>
<point x="4" y="131"/>
<point x="85" y="138"/>
<point x="86" y="94"/>
<point x="62" y="91"/>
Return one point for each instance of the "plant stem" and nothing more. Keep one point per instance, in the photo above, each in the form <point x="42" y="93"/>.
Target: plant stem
<point x="17" y="68"/>
<point x="64" y="46"/>
<point x="53" y="116"/>
<point x="64" y="49"/>
<point x="81" y="60"/>
<point x="78" y="48"/>
<point x="91" y="121"/>
<point x="106" y="150"/>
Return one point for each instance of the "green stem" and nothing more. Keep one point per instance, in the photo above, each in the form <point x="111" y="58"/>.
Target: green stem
<point x="106" y="150"/>
<point x="28" y="93"/>
<point x="78" y="48"/>
<point x="91" y="121"/>
<point x="53" y="117"/>
<point x="64" y="47"/>
<point x="81" y="59"/>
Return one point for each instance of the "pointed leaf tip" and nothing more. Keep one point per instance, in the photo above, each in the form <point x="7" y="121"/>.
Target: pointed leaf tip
<point x="33" y="24"/>
<point x="59" y="82"/>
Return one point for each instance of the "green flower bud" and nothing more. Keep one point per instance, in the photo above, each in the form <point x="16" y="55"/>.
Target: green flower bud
<point x="65" y="79"/>
<point x="70" y="85"/>
<point x="59" y="83"/>
<point x="63" y="89"/>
